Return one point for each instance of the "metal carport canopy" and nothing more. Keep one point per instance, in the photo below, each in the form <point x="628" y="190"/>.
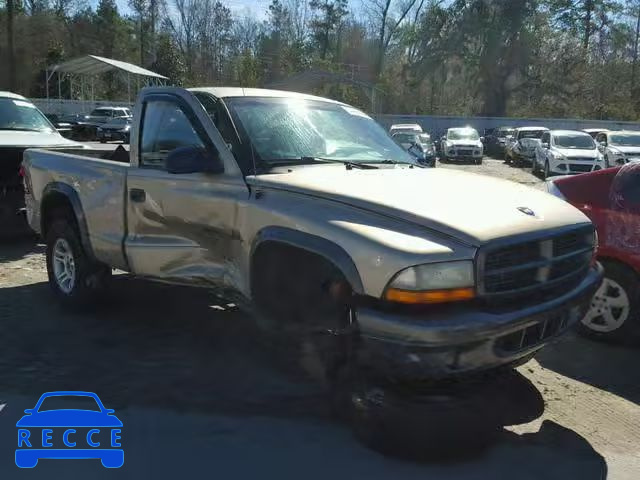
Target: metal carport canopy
<point x="94" y="65"/>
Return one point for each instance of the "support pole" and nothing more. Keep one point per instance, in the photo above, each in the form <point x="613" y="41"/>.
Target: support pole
<point x="59" y="88"/>
<point x="46" y="82"/>
<point x="129" y="86"/>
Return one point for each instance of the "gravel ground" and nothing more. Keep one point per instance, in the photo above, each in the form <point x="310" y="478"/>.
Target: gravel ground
<point x="197" y="395"/>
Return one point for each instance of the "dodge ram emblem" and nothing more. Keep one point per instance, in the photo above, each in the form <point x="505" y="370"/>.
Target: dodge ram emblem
<point x="527" y="211"/>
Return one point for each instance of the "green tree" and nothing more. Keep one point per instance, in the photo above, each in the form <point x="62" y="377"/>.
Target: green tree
<point x="328" y="15"/>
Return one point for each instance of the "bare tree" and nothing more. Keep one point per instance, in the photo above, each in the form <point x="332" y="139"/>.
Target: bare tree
<point x="11" y="11"/>
<point x="386" y="25"/>
<point x="184" y="29"/>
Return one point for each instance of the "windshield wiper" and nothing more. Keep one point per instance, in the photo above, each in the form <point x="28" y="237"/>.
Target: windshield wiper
<point x="388" y="161"/>
<point x="348" y="164"/>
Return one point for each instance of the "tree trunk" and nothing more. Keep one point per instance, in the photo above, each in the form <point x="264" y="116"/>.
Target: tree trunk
<point x="634" y="68"/>
<point x="588" y="6"/>
<point x="381" y="35"/>
<point x="10" y="44"/>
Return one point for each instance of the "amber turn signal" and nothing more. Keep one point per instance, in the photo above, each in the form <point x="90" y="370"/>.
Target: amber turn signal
<point x="416" y="297"/>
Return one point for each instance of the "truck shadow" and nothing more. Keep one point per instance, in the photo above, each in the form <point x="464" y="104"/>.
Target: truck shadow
<point x="186" y="351"/>
<point x="15" y="248"/>
<point x="605" y="366"/>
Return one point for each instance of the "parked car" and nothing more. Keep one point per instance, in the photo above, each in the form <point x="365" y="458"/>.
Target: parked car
<point x="63" y="128"/>
<point x="308" y="214"/>
<point x="496" y="139"/>
<point x="594" y="131"/>
<point x="462" y="144"/>
<point x="87" y="127"/>
<point x="521" y="148"/>
<point x="405" y="127"/>
<point x="419" y="145"/>
<point x="22" y="126"/>
<point x="566" y="152"/>
<point x="611" y="199"/>
<point x="115" y="129"/>
<point x="619" y="147"/>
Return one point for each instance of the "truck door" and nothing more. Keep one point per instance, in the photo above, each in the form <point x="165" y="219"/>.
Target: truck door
<point x="181" y="227"/>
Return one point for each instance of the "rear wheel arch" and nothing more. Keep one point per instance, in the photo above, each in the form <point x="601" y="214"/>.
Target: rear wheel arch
<point x="60" y="199"/>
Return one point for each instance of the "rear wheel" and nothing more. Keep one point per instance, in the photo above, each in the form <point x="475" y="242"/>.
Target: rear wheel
<point x="614" y="313"/>
<point x="73" y="278"/>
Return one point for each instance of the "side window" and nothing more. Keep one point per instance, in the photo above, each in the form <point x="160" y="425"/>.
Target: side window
<point x="165" y="127"/>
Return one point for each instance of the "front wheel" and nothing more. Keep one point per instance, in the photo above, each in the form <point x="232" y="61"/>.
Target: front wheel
<point x="547" y="170"/>
<point x="74" y="279"/>
<point x="479" y="161"/>
<point x="614" y="311"/>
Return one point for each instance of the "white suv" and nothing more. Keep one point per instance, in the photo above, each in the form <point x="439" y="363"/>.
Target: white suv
<point x="566" y="152"/>
<point x="462" y="144"/>
<point x="619" y="147"/>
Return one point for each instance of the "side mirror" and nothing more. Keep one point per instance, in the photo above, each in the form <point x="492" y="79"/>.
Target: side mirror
<point x="482" y="139"/>
<point x="193" y="160"/>
<point x="109" y="411"/>
<point x="545" y="145"/>
<point x="29" y="411"/>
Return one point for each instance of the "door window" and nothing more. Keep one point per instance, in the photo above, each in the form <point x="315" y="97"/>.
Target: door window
<point x="165" y="127"/>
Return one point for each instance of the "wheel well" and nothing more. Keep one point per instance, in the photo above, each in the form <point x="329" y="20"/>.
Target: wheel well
<point x="621" y="264"/>
<point x="55" y="205"/>
<point x="272" y="259"/>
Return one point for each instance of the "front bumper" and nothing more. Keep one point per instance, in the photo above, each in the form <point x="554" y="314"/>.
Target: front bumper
<point x="467" y="338"/>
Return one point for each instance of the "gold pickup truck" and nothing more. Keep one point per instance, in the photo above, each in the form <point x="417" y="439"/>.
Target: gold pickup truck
<point x="304" y="211"/>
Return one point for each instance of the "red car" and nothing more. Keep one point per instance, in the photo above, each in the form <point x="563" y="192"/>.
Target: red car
<point x="611" y="199"/>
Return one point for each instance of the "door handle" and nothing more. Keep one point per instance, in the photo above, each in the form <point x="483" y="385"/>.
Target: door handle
<point x="137" y="195"/>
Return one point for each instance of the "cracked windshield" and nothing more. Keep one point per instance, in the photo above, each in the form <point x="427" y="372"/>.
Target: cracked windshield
<point x="238" y="238"/>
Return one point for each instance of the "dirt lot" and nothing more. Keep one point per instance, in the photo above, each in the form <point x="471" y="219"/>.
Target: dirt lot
<point x="197" y="395"/>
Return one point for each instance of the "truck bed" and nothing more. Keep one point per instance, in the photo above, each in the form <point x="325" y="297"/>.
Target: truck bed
<point x="97" y="184"/>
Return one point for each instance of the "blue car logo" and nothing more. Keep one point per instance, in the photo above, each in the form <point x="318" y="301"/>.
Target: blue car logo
<point x="69" y="433"/>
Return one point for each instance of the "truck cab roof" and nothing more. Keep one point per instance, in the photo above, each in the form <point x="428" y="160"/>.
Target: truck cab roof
<point x="12" y="95"/>
<point x="228" y="92"/>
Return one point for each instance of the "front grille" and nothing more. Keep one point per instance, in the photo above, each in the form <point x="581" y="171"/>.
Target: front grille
<point x="538" y="268"/>
<point x="580" y="168"/>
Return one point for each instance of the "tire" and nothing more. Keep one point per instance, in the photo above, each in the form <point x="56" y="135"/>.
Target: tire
<point x="507" y="158"/>
<point x="102" y="140"/>
<point x="479" y="161"/>
<point x="607" y="164"/>
<point x="534" y="167"/>
<point x="75" y="280"/>
<point x="615" y="310"/>
<point x="547" y="170"/>
<point x="299" y="320"/>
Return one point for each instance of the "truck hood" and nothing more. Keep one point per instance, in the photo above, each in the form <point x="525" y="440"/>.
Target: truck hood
<point x="470" y="207"/>
<point x="15" y="138"/>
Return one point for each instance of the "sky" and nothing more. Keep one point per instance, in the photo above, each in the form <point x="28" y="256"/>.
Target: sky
<point x="258" y="8"/>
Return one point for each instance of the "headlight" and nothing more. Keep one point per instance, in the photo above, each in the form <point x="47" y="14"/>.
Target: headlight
<point x="98" y="129"/>
<point x="433" y="283"/>
<point x="561" y="166"/>
<point x="452" y="151"/>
